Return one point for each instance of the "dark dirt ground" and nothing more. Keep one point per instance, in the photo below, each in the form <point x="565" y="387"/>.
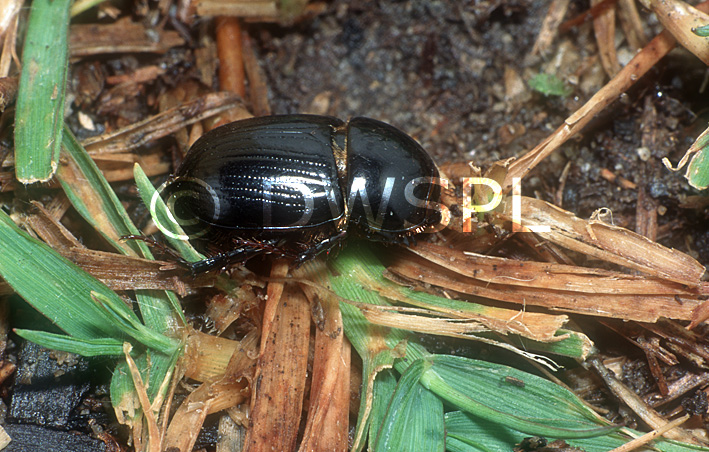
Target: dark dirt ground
<point x="436" y="69"/>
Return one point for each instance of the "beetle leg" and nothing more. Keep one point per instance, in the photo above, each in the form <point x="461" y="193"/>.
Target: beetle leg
<point x="245" y="250"/>
<point x="223" y="260"/>
<point x="323" y="246"/>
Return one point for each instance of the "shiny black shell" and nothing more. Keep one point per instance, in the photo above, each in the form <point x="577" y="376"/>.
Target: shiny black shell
<point x="307" y="178"/>
<point x="257" y="172"/>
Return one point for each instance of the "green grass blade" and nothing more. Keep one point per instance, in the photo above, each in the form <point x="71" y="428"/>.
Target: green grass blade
<point x="94" y="199"/>
<point x="698" y="156"/>
<point x="75" y="301"/>
<point x="540" y="407"/>
<point x="382" y="392"/>
<point x="490" y="393"/>
<point x="39" y="115"/>
<point x="134" y="327"/>
<point x="172" y="231"/>
<point x="155" y="370"/>
<point x="470" y="434"/>
<point x="64" y="294"/>
<point x="92" y="196"/>
<point x="83" y="347"/>
<point x="414" y="419"/>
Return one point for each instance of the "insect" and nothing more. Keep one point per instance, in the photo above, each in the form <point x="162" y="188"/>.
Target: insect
<point x="297" y="185"/>
<point x="514" y="381"/>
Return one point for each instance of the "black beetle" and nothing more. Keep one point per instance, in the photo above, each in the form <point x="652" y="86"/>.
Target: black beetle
<point x="293" y="184"/>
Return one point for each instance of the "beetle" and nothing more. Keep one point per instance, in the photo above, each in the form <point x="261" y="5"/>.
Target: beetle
<point x="297" y="185"/>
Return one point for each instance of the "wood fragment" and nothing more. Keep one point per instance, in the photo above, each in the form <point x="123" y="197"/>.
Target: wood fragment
<point x="229" y="49"/>
<point x="610" y="176"/>
<point x="683" y="342"/>
<point x="264" y="10"/>
<point x="596" y="10"/>
<point x="677" y="388"/>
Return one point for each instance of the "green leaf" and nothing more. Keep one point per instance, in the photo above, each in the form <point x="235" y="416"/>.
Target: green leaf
<point x="83" y="347"/>
<point x="92" y="196"/>
<point x="64" y="294"/>
<point x="39" y="115"/>
<point x="470" y="434"/>
<point x="549" y="85"/>
<point x="162" y="217"/>
<point x="414" y="419"/>
<point x="698" y="169"/>
<point x="482" y="389"/>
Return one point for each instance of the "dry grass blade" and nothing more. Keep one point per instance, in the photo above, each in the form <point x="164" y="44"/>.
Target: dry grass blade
<point x="609" y="243"/>
<point x="209" y="358"/>
<point x="115" y="167"/>
<point x="163" y="124"/>
<point x="555" y="14"/>
<point x="120" y="272"/>
<point x="545" y="275"/>
<point x="646" y="438"/>
<point x="207" y="399"/>
<point x="632" y="24"/>
<point x="225" y="366"/>
<point x="326" y="429"/>
<point x="279" y="382"/>
<point x="122" y="36"/>
<point x="604" y="28"/>
<point x="627" y="306"/>
<point x="536" y="326"/>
